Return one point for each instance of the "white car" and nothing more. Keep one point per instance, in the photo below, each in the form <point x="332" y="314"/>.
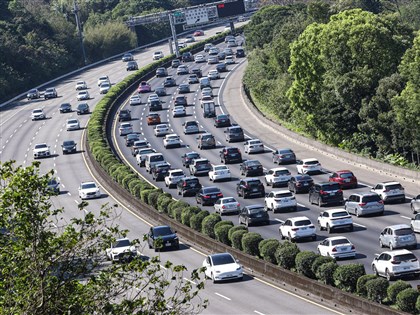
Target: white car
<point x="103" y="79"/>
<point x="104" y="87"/>
<point x="178" y="111"/>
<point x="207" y="91"/>
<point x="72" y="124"/>
<point x="333" y="219"/>
<point x="83" y="95"/>
<point x="141" y="155"/>
<point x="219" y="172"/>
<point x="152" y="97"/>
<point x="89" y="190"/>
<point x="81" y="85"/>
<point x="161" y="130"/>
<point x="308" y="166"/>
<point x="213" y="75"/>
<point x="232" y="43"/>
<point x="297" y="228"/>
<point x="173" y="177"/>
<point x="278" y="176"/>
<point x="41" y="150"/>
<point x="254" y="146"/>
<point x="227" y="205"/>
<point x="280" y="200"/>
<point x="393" y="264"/>
<point x="222" y="266"/>
<point x="135" y="100"/>
<point x="171" y="140"/>
<point x="390" y="191"/>
<point x="157" y="55"/>
<point x="37" y="113"/>
<point x="229" y="60"/>
<point x="199" y="59"/>
<point x="337" y="247"/>
<point x="125" y="129"/>
<point x="121" y="250"/>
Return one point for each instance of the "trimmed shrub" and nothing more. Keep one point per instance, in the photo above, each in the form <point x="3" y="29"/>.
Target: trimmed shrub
<point x="376" y="289"/>
<point x="361" y="284"/>
<point x="236" y="228"/>
<point x="222" y="232"/>
<point x="164" y="204"/>
<point x="169" y="206"/>
<point x="325" y="273"/>
<point x="286" y="255"/>
<point x="396" y="288"/>
<point x="250" y="242"/>
<point x="187" y="213"/>
<point x="177" y="213"/>
<point x="197" y="219"/>
<point x="304" y="261"/>
<point x="178" y="204"/>
<point x="318" y="262"/>
<point x="152" y="198"/>
<point x="345" y="277"/>
<point x="236" y="239"/>
<point x="223" y="222"/>
<point x="144" y="195"/>
<point x="268" y="248"/>
<point x="418" y="305"/>
<point x="407" y="299"/>
<point x="132" y="185"/>
<point x="207" y="226"/>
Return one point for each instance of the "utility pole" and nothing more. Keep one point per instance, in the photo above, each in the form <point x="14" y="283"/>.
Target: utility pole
<point x="175" y="40"/>
<point x="75" y="11"/>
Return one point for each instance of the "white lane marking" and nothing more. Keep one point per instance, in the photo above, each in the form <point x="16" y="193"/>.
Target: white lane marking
<point x="404" y="217"/>
<point x="190" y="281"/>
<point x="301" y="205"/>
<point x="359" y="225"/>
<point x="76" y="201"/>
<point x="225" y="297"/>
<point x="69" y="193"/>
<point x="281" y="221"/>
<point x="259" y="313"/>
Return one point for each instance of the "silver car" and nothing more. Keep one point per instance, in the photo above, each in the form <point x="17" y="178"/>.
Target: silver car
<point x="227" y="205"/>
<point x="415" y="204"/>
<point x="398" y="236"/>
<point x="364" y="204"/>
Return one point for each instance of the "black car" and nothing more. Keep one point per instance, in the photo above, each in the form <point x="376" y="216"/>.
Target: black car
<point x="69" y="146"/>
<point x="208" y="195"/>
<point x="130" y="139"/>
<point x="240" y="53"/>
<point x="188" y="157"/>
<point x="222" y="120"/>
<point x="188" y="186"/>
<point x="161" y="237"/>
<point x="221" y="55"/>
<point x="234" y="133"/>
<point x="197" y="71"/>
<point x="253" y="214"/>
<point x="161" y="72"/>
<point x="124" y="115"/>
<point x="180" y="100"/>
<point x="82" y="108"/>
<point x="282" y="156"/>
<point x="300" y="183"/>
<point x="160" y="91"/>
<point x="250" y="187"/>
<point x="187" y="56"/>
<point x="169" y="81"/>
<point x="65" y="108"/>
<point x="132" y="65"/>
<point x="251" y="168"/>
<point x="230" y="155"/>
<point x="155" y="105"/>
<point x="221" y="67"/>
<point x="54" y="186"/>
<point x="160" y="170"/>
<point x="326" y="193"/>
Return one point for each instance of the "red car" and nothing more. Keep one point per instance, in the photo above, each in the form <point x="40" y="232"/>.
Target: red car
<point x="198" y="33"/>
<point x="345" y="178"/>
<point x="144" y="87"/>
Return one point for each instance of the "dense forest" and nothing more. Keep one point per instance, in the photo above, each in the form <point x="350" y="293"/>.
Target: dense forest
<point x="346" y="73"/>
<point x="39" y="38"/>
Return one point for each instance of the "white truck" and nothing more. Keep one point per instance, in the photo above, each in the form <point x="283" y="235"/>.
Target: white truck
<point x="209" y="109"/>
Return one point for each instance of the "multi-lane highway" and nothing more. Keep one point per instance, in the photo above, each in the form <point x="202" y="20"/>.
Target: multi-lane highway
<point x="19" y="135"/>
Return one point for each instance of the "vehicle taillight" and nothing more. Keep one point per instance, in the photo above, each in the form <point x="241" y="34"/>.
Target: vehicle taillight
<point x="305" y="166"/>
<point x="238" y="205"/>
<point x="394" y="262"/>
<point x="413" y="260"/>
<point x="220" y="195"/>
<point x="334" y="249"/>
<point x="340" y="191"/>
<point x="362" y="204"/>
<point x="386" y="190"/>
<point x="298" y="184"/>
<point x="295" y="229"/>
<point x="281" y="156"/>
<point x="206" y="197"/>
<point x="352" y="247"/>
<point x="239" y="151"/>
<point x="321" y="192"/>
<point x="381" y="201"/>
<point x="185" y="184"/>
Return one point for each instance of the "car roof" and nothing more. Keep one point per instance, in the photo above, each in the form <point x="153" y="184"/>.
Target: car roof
<point x="283" y="191"/>
<point x="279" y="169"/>
<point x="398" y="226"/>
<point x="337" y="238"/>
<point x="397" y="252"/>
<point x="343" y="171"/>
<point x="255" y="206"/>
<point x="294" y="219"/>
<point x="310" y="160"/>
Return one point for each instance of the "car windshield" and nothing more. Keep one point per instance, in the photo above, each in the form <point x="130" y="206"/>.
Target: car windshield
<point x="222" y="259"/>
<point x="207" y="137"/>
<point x="391" y="187"/>
<point x="302" y="222"/>
<point x="178" y="173"/>
<point x="283" y="195"/>
<point x="211" y="190"/>
<point x="404" y="257"/>
<point x="228" y="200"/>
<point x="331" y="187"/>
<point x="88" y="186"/>
<point x="193" y="156"/>
<point x="37" y="111"/>
<point x="161" y="127"/>
<point x="49" y="90"/>
<point x="162" y="231"/>
<point x="65" y="143"/>
<point x="340" y="241"/>
<point x="122" y="243"/>
<point x="65" y="105"/>
<point x="40" y="146"/>
<point x="83" y="93"/>
<point x="72" y="121"/>
<point x="339" y="214"/>
<point x="404" y="231"/>
<point x="346" y="175"/>
<point x="371" y="198"/>
<point x="311" y="162"/>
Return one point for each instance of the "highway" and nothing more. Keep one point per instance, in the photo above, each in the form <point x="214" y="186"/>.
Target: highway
<point x="19" y="135"/>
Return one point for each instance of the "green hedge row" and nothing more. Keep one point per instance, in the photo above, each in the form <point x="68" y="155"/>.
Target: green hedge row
<point x="350" y="278"/>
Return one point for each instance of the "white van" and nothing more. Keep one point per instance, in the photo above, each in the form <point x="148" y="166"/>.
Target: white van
<point x="152" y="159"/>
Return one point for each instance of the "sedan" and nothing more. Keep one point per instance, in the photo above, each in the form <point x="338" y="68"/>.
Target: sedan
<point x="178" y="111"/>
<point x="69" y="146"/>
<point x="127" y="57"/>
<point x="300" y="183"/>
<point x="182" y="69"/>
<point x="82" y="108"/>
<point x="33" y="94"/>
<point x="161" y="130"/>
<point x="254" y="214"/>
<point x="81" y="85"/>
<point x="184" y="88"/>
<point x="132" y="65"/>
<point x="207" y="91"/>
<point x="83" y="95"/>
<point x="212" y="60"/>
<point x="65" y="108"/>
<point x="171" y="140"/>
<point x="219" y="172"/>
<point x="125" y="129"/>
<point x="135" y="100"/>
<point x="213" y="75"/>
<point x="208" y="195"/>
<point x="104" y="88"/>
<point x="89" y="190"/>
<point x="254" y="146"/>
<point x="199" y="59"/>
<point x="153" y="119"/>
<point x="161" y="72"/>
<point x="221" y="67"/>
<point x="72" y="124"/>
<point x="227" y="205"/>
<point x="223" y="266"/>
<point x="192" y="79"/>
<point x="161" y="237"/>
<point x="336" y="247"/>
<point x="144" y="87"/>
<point x="131" y="138"/>
<point x="222" y="120"/>
<point x="281" y="156"/>
<point x="160" y="91"/>
<point x="38" y="113"/>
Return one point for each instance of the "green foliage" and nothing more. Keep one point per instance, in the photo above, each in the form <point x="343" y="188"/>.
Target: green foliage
<point x="187" y="213"/>
<point x="325" y="272"/>
<point x="197" y="219"/>
<point x="407" y="299"/>
<point x="250" y="243"/>
<point x="376" y="289"/>
<point x="144" y="195"/>
<point x="223" y="222"/>
<point x="221" y="232"/>
<point x="236" y="228"/>
<point x="236" y="238"/>
<point x="361" y="284"/>
<point x="396" y="288"/>
<point x="304" y="261"/>
<point x="268" y="248"/>
<point x="207" y="226"/>
<point x="418" y="305"/>
<point x="286" y="255"/>
<point x="318" y="262"/>
<point x="152" y="198"/>
<point x="163" y="202"/>
<point x="346" y="276"/>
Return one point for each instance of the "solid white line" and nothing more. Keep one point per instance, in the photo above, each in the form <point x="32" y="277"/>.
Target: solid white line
<point x="190" y="281"/>
<point x="225" y="297"/>
<point x="301" y="205"/>
<point x="259" y="313"/>
<point x="359" y="225"/>
<point x="281" y="221"/>
<point x="404" y="217"/>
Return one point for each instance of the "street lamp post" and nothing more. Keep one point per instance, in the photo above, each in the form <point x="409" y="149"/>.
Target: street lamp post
<point x="75" y="11"/>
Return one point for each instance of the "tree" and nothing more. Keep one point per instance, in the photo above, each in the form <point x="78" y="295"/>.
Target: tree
<point x="49" y="266"/>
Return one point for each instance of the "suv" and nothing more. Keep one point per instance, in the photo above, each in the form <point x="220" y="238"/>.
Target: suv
<point x="308" y="166"/>
<point x="392" y="264"/>
<point x="230" y="155"/>
<point x="240" y="53"/>
<point x="364" y="203"/>
<point x="188" y="186"/>
<point x="155" y="104"/>
<point x="191" y="126"/>
<point x="169" y="81"/>
<point x="278" y="176"/>
<point x="200" y="167"/>
<point x="33" y="94"/>
<point x="160" y="237"/>
<point x="180" y="100"/>
<point x="124" y="114"/>
<point x="281" y="156"/>
<point x="65" y="108"/>
<point x="251" y="168"/>
<point x="345" y="178"/>
<point x="161" y="72"/>
<point x="335" y="219"/>
<point x="160" y="170"/>
<point x="326" y="193"/>
<point x="253" y="214"/>
<point x="206" y="141"/>
<point x="297" y="228"/>
<point x="300" y="183"/>
<point x="188" y="157"/>
<point x="234" y="133"/>
<point x="280" y="200"/>
<point x="50" y="93"/>
<point x="390" y="191"/>
<point x="187" y="56"/>
<point x="397" y="236"/>
<point x="248" y="187"/>
<point x="175" y="63"/>
<point x="415" y="204"/>
<point x="173" y="177"/>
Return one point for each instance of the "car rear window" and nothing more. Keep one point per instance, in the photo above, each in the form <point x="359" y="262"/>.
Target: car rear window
<point x="211" y="190"/>
<point x="303" y="223"/>
<point x="180" y="173"/>
<point x="235" y="130"/>
<point x="346" y="175"/>
<point x="193" y="156"/>
<point x="405" y="231"/>
<point x="405" y="257"/>
<point x="284" y="151"/>
<point x="227" y="200"/>
<point x="202" y="162"/>
<point x="253" y="163"/>
<point x="191" y="181"/>
<point x="391" y="187"/>
<point x="311" y="162"/>
<point x="331" y="187"/>
<point x="256" y="210"/>
<point x="283" y="195"/>
<point x="339" y="214"/>
<point x="340" y="241"/>
<point x="282" y="172"/>
<point x="371" y="198"/>
<point x="254" y="183"/>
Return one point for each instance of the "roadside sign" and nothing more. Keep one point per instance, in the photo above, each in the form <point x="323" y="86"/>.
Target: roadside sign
<point x="196" y="16"/>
